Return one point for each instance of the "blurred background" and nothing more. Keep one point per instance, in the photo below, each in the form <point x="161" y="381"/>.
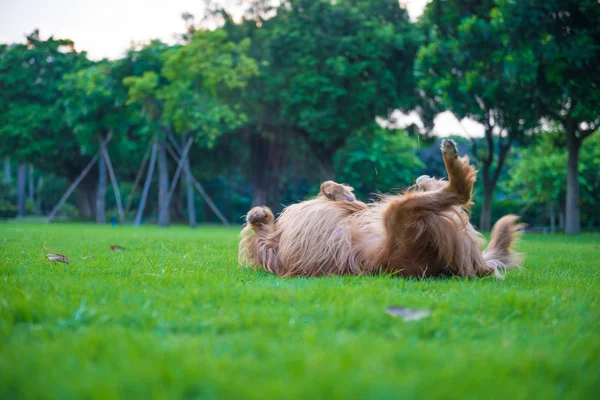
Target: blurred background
<point x="194" y="111"/>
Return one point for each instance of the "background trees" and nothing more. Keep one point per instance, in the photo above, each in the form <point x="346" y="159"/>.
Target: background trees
<point x="464" y="66"/>
<point x="261" y="110"/>
<point x="562" y="40"/>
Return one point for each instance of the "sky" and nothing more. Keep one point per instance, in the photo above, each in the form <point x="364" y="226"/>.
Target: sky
<point x="105" y="29"/>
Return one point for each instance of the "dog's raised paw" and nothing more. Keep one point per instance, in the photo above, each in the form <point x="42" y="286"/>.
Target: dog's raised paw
<point x="259" y="215"/>
<point x="423" y="179"/>
<point x="337" y="192"/>
<point x="449" y="147"/>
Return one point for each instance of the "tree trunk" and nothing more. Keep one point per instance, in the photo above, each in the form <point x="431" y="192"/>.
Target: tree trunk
<point x="485" y="220"/>
<point x="30" y="184"/>
<point x="191" y="203"/>
<point x="6" y="178"/>
<point x="115" y="184"/>
<point x="163" y="185"/>
<point x="21" y="187"/>
<point x="561" y="219"/>
<point x="101" y="192"/>
<point x="572" y="223"/>
<point x="259" y="197"/>
<point x="85" y="198"/>
<point x="552" y="218"/>
<point x="38" y="197"/>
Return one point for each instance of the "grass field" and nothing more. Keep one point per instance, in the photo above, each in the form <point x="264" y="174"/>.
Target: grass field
<point x="173" y="316"/>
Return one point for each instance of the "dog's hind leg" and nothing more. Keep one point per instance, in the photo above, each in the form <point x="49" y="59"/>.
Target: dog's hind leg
<point x="428" y="229"/>
<point x="461" y="175"/>
<point x="259" y="244"/>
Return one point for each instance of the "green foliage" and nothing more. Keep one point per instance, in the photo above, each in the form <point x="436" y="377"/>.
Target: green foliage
<point x="173" y="316"/>
<point x="378" y="161"/>
<point x="94" y="100"/>
<point x="538" y="175"/>
<point x="562" y="42"/>
<point x="540" y="172"/>
<point x="7" y="209"/>
<point x="32" y="127"/>
<point x="205" y="77"/>
<point x="145" y="81"/>
<point x="328" y="68"/>
<point x="466" y="67"/>
<point x="287" y="97"/>
<point x="342" y="64"/>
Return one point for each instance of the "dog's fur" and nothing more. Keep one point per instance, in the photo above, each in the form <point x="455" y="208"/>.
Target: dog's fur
<point x="421" y="233"/>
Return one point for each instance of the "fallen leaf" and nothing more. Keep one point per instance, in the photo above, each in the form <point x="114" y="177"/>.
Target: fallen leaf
<point x="116" y="247"/>
<point x="408" y="314"/>
<point x="58" y="258"/>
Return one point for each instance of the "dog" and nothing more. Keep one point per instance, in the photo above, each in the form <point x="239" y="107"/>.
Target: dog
<point x="423" y="232"/>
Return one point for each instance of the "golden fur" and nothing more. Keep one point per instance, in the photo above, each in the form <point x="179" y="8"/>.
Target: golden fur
<point x="422" y="232"/>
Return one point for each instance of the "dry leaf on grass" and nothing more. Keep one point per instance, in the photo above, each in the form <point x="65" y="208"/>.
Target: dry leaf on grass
<point x="116" y="247"/>
<point x="408" y="314"/>
<point x="58" y="258"/>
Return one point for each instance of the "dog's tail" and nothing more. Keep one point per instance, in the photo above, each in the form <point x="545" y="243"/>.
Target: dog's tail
<point x="500" y="254"/>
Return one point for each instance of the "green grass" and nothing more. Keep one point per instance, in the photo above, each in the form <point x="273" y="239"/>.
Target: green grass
<point x="173" y="316"/>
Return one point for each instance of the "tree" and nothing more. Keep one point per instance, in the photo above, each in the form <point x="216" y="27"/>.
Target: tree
<point x="338" y="66"/>
<point x="32" y="127"/>
<point x="327" y="69"/>
<point x="538" y="176"/>
<point x="464" y="67"/>
<point x="144" y="87"/>
<point x="205" y="77"/>
<point x="94" y="100"/>
<point x="562" y="38"/>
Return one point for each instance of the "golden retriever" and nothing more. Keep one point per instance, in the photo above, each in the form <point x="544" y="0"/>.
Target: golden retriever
<point x="422" y="232"/>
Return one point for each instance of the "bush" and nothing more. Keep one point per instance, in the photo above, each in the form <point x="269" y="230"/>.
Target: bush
<point x="7" y="210"/>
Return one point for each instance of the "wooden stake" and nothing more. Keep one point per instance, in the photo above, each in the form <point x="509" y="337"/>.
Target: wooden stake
<point x="140" y="212"/>
<point x="78" y="180"/>
<point x="115" y="185"/>
<point x="180" y="164"/>
<point x="138" y="176"/>
<point x="201" y="190"/>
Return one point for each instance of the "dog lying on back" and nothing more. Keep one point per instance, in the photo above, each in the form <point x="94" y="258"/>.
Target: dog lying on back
<point x="423" y="232"/>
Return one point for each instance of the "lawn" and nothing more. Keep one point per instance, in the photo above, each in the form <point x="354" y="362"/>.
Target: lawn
<point x="172" y="316"/>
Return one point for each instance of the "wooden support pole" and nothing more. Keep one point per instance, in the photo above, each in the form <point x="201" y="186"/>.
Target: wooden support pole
<point x="138" y="176"/>
<point x="78" y="180"/>
<point x="115" y="185"/>
<point x="201" y="190"/>
<point x="180" y="165"/>
<point x="140" y="212"/>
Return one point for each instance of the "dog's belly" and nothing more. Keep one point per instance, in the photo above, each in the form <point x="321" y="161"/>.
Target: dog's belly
<point x="316" y="239"/>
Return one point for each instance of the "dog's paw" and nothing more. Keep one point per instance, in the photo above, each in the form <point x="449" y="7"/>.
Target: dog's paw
<point x="423" y="179"/>
<point x="260" y="216"/>
<point x="337" y="192"/>
<point x="449" y="147"/>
